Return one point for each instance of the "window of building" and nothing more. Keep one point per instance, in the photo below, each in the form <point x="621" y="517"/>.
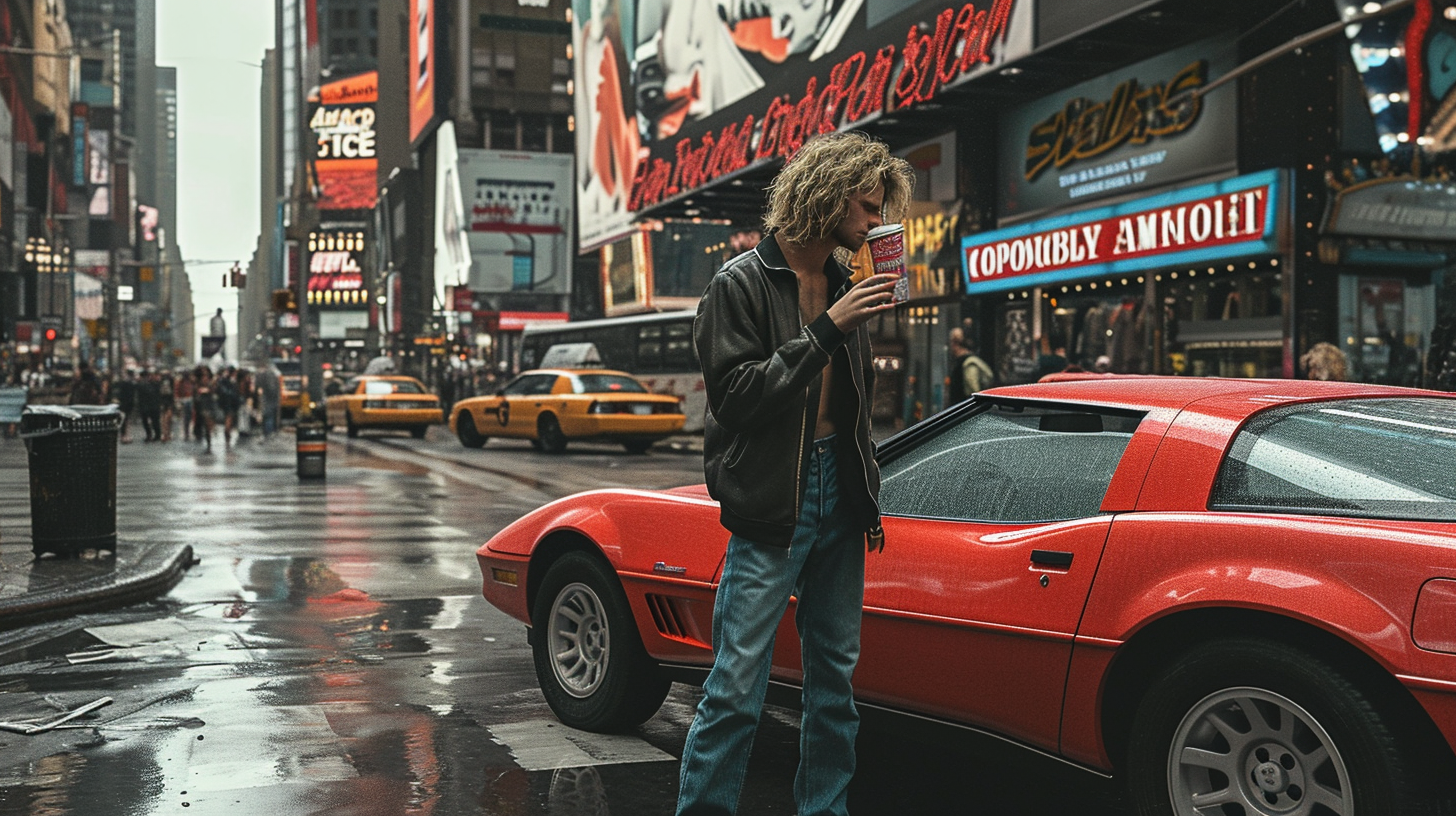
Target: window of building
<point x="560" y="66"/>
<point x="533" y="132"/>
<point x="502" y="131"/>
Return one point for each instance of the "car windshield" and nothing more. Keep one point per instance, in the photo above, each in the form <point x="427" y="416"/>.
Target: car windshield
<point x="1387" y="458"/>
<point x="375" y="387"/>
<point x="607" y="384"/>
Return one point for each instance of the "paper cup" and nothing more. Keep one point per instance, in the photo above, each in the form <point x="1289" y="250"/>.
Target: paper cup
<point x="887" y="252"/>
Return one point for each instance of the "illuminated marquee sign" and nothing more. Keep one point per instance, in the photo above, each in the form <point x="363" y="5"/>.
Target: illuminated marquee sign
<point x="335" y="273"/>
<point x="1137" y="128"/>
<point x="1194" y="225"/>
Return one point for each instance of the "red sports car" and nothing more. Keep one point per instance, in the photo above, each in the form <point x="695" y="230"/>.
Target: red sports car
<point x="1238" y="594"/>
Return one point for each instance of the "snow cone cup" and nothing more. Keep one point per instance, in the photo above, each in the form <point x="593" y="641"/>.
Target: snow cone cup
<point x="887" y="252"/>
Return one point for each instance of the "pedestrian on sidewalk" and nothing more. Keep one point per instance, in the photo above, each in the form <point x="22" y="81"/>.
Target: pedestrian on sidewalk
<point x="87" y="389"/>
<point x="125" y="392"/>
<point x="786" y="360"/>
<point x="229" y="401"/>
<point x="169" y="404"/>
<point x="183" y="394"/>
<point x="149" y="405"/>
<point x="270" y="391"/>
<point x="204" y="406"/>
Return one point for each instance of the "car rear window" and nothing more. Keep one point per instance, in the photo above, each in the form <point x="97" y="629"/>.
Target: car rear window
<point x="1012" y="463"/>
<point x="607" y="384"/>
<point x="1387" y="458"/>
<point x="392" y="387"/>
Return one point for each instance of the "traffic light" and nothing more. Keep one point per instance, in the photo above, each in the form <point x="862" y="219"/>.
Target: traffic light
<point x="50" y="335"/>
<point x="285" y="300"/>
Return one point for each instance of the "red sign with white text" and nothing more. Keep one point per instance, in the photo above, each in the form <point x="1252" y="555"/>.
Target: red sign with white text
<point x="1226" y="218"/>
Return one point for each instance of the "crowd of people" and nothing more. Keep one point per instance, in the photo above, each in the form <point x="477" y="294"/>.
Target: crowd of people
<point x="198" y="401"/>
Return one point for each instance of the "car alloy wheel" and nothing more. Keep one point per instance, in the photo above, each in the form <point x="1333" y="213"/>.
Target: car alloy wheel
<point x="1260" y="751"/>
<point x="1265" y="728"/>
<point x="590" y="662"/>
<point x="580" y="641"/>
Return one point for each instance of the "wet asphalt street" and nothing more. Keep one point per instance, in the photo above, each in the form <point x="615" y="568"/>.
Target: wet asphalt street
<point x="330" y="654"/>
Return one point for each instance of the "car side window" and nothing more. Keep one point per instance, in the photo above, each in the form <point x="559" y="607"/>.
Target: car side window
<point x="1009" y="462"/>
<point x="1380" y="458"/>
<point x="528" y="384"/>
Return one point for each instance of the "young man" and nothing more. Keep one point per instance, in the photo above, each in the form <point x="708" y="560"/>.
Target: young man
<point x="788" y="456"/>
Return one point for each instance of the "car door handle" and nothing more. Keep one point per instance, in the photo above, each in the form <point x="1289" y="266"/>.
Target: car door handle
<point x="1051" y="558"/>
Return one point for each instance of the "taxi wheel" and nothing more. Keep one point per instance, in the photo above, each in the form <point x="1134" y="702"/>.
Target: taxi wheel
<point x="466" y="432"/>
<point x="548" y="431"/>
<point x="349" y="427"/>
<point x="590" y="661"/>
<point x="637" y="446"/>
<point x="419" y="431"/>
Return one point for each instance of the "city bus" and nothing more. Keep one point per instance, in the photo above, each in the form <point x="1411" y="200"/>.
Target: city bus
<point x="656" y="348"/>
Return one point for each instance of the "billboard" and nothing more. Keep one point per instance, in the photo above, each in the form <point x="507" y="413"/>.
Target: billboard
<point x="421" y="66"/>
<point x="1137" y="128"/>
<point x="519" y="216"/>
<point x="345" y="163"/>
<point x="336" y="270"/>
<point x="672" y="95"/>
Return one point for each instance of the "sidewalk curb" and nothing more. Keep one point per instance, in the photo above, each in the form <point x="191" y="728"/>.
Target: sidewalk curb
<point x="151" y="575"/>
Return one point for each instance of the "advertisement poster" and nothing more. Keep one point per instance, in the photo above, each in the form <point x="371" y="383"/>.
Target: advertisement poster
<point x="1130" y="130"/>
<point x="336" y="270"/>
<point x="345" y="164"/>
<point x="517" y="209"/>
<point x="674" y="94"/>
<point x="421" y="66"/>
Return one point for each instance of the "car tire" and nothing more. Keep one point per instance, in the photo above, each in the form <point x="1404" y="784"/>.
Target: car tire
<point x="350" y="428"/>
<point x="548" y="433"/>
<point x="637" y="446"/>
<point x="589" y="658"/>
<point x="467" y="434"/>
<point x="419" y="431"/>
<point x="1264" y="727"/>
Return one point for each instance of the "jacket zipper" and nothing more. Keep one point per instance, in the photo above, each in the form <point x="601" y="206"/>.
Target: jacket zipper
<point x="864" y="466"/>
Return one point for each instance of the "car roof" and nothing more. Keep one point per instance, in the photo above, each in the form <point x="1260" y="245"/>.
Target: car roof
<point x="1226" y="396"/>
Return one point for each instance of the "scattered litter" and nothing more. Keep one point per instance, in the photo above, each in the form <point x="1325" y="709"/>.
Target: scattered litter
<point x="31" y="727"/>
<point x="142" y="652"/>
<point x="133" y="634"/>
<point x="237" y="610"/>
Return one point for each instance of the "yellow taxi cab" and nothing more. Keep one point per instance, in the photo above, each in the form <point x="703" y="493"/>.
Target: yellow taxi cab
<point x="552" y="406"/>
<point x="384" y="402"/>
<point x="290" y="387"/>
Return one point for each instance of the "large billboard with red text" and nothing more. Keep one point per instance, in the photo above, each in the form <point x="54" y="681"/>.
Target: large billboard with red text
<point x="672" y="95"/>
<point x="344" y="157"/>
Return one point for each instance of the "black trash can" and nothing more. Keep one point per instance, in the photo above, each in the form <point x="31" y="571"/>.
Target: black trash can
<point x="72" y="458"/>
<point x="313" y="449"/>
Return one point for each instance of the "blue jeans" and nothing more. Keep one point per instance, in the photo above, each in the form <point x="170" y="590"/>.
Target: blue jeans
<point x="824" y="568"/>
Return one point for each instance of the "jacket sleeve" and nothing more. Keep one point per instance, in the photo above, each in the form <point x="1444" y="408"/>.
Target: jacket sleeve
<point x="749" y="381"/>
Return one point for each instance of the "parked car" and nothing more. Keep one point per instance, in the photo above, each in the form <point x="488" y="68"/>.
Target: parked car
<point x="1239" y="595"/>
<point x="553" y="406"/>
<point x="388" y="402"/>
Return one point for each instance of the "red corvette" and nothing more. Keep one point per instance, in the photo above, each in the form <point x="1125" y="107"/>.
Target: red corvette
<point x="1238" y="594"/>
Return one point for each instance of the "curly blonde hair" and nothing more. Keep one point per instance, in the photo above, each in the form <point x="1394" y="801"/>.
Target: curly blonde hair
<point x="1324" y="361"/>
<point x="810" y="195"/>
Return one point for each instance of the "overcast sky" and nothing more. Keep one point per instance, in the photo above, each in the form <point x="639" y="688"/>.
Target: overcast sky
<point x="217" y="48"/>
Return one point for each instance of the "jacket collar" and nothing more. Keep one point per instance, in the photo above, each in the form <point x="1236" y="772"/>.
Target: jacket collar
<point x="772" y="256"/>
